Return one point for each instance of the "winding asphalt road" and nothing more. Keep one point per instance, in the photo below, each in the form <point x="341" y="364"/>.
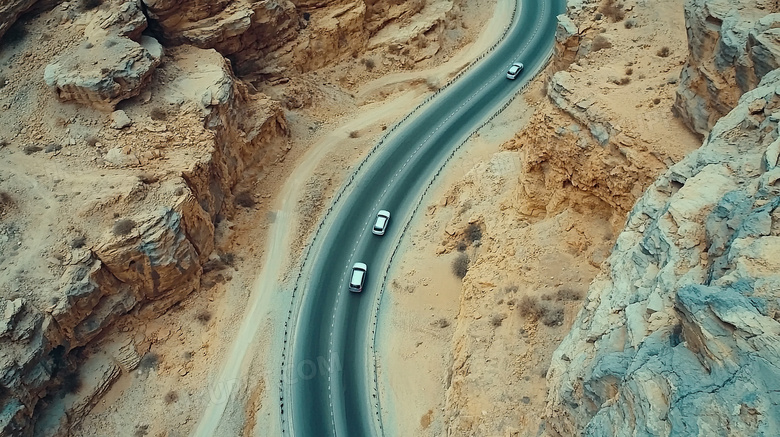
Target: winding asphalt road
<point x="328" y="379"/>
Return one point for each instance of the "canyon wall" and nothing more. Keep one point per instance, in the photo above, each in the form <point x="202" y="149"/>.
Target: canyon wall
<point x="731" y="45"/>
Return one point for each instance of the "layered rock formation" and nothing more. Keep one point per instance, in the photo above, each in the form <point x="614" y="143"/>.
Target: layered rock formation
<point x="268" y="37"/>
<point x="149" y="260"/>
<point x="10" y="11"/>
<point x="679" y="333"/>
<point x="732" y="45"/>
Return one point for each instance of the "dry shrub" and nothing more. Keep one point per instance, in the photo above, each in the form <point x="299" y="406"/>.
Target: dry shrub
<point x="149" y="361"/>
<point x="92" y="141"/>
<point x="630" y="23"/>
<point x="473" y="232"/>
<point x="441" y="323"/>
<point x="461" y="246"/>
<point x="158" y="114"/>
<point x="530" y="308"/>
<point x="663" y="52"/>
<point x="629" y="71"/>
<point x="354" y="134"/>
<point x="203" y="316"/>
<point x="171" y="397"/>
<point x="123" y="227"/>
<point x="553" y="317"/>
<point x="460" y="265"/>
<point x="71" y="382"/>
<point x="613" y="10"/>
<point x="600" y="42"/>
<point x="656" y="100"/>
<point x="624" y="80"/>
<point x="78" y="242"/>
<point x="30" y="149"/>
<point x="567" y="294"/>
<point x="369" y="63"/>
<point x="497" y="319"/>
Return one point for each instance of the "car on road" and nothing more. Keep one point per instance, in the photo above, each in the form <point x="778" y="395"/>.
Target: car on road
<point x="357" y="278"/>
<point x="380" y="225"/>
<point x="514" y="71"/>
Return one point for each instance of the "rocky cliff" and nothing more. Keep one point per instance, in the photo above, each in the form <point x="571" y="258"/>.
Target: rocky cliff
<point x="731" y="45"/>
<point x="146" y="261"/>
<point x="679" y="333"/>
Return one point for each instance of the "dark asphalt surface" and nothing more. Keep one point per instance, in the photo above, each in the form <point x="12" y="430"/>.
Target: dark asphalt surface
<point x="331" y="369"/>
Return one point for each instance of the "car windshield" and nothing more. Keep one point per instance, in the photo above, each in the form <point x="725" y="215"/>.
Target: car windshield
<point x="514" y="69"/>
<point x="357" y="277"/>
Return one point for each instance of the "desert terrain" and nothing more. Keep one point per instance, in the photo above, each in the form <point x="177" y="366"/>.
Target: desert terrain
<point x="599" y="259"/>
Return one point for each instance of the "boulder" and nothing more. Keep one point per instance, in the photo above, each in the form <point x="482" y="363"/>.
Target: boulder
<point x="105" y="73"/>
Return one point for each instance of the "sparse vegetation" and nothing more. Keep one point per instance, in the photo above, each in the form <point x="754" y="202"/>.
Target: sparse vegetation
<point x="553" y="317"/>
<point x="460" y="265"/>
<point x="600" y="42"/>
<point x="149" y="361"/>
<point x="92" y="141"/>
<point x="511" y="288"/>
<point x="171" y="397"/>
<point x="158" y="114"/>
<point x="663" y="52"/>
<point x="612" y="10"/>
<point x="630" y="23"/>
<point x="2" y="81"/>
<point x="473" y="232"/>
<point x="497" y="319"/>
<point x="52" y="147"/>
<point x="203" y="316"/>
<point x="656" y="100"/>
<point x="532" y="309"/>
<point x="228" y="258"/>
<point x="567" y="294"/>
<point x="6" y="201"/>
<point x="629" y="71"/>
<point x="369" y="63"/>
<point x="147" y="178"/>
<point x="78" y="242"/>
<point x="245" y="199"/>
<point x="123" y="227"/>
<point x="441" y="323"/>
<point x="461" y="245"/>
<point x="31" y="148"/>
<point x="354" y="134"/>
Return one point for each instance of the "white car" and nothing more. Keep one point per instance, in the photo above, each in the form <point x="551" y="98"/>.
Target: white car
<point x="514" y="71"/>
<point x="357" y="278"/>
<point x="380" y="225"/>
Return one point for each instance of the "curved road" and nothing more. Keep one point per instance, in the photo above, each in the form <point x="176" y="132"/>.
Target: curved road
<point x="327" y="382"/>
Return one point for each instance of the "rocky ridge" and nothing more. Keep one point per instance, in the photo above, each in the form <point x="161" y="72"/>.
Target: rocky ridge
<point x="732" y="45"/>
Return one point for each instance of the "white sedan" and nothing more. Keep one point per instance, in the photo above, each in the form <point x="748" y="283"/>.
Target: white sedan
<point x="514" y="71"/>
<point x="380" y="225"/>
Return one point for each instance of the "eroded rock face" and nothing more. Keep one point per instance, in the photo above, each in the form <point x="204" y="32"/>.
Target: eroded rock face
<point x="147" y="265"/>
<point x="679" y="334"/>
<point x="732" y="45"/>
<point x="106" y="73"/>
<point x="270" y="36"/>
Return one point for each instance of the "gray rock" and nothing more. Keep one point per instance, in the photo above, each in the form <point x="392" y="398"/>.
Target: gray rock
<point x="120" y="120"/>
<point x="119" y="158"/>
<point x="566" y="28"/>
<point x="105" y="73"/>
<point x="676" y="338"/>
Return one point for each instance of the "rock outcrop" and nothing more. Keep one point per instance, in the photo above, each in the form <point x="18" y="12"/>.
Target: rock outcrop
<point x="679" y="333"/>
<point x="147" y="261"/>
<point x="105" y="73"/>
<point x="732" y="45"/>
<point x="269" y="37"/>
